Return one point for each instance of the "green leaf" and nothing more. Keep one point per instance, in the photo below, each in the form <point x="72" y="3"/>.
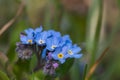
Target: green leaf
<point x="118" y="2"/>
<point x="14" y="37"/>
<point x="37" y="75"/>
<point x="21" y="69"/>
<point x="64" y="68"/>
<point x="75" y="72"/>
<point x="94" y="28"/>
<point x="33" y="62"/>
<point x="3" y="76"/>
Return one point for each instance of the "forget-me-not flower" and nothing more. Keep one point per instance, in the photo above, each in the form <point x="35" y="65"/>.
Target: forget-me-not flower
<point x="60" y="54"/>
<point x="27" y="39"/>
<point x="65" y="40"/>
<point x="29" y="31"/>
<point x="50" y="47"/>
<point x="72" y="51"/>
<point x="52" y="33"/>
<point x="41" y="38"/>
<point x="38" y="30"/>
<point x="53" y="43"/>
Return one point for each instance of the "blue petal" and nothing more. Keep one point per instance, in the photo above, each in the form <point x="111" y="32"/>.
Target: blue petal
<point x="69" y="45"/>
<point x="62" y="61"/>
<point x="55" y="53"/>
<point x="66" y="56"/>
<point x="38" y="30"/>
<point x="75" y="46"/>
<point x="49" y="44"/>
<point x="41" y="36"/>
<point x="77" y="55"/>
<point x="58" y="50"/>
<point x="52" y="33"/>
<point x="57" y="34"/>
<point x="44" y="53"/>
<point x="54" y="56"/>
<point x="44" y="35"/>
<point x="38" y="36"/>
<point x="23" y="38"/>
<point x="55" y="40"/>
<point x="52" y="41"/>
<point x="29" y="31"/>
<point x="65" y="40"/>
<point x="76" y="50"/>
<point x="64" y="50"/>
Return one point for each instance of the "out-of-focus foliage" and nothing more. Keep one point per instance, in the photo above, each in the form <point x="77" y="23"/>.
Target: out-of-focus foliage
<point x="92" y="24"/>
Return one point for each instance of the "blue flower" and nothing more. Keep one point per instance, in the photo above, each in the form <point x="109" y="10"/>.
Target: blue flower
<point x="29" y="31"/>
<point x="41" y="38"/>
<point x="38" y="30"/>
<point x="52" y="33"/>
<point x="72" y="51"/>
<point x="29" y="39"/>
<point x="52" y="43"/>
<point x="65" y="40"/>
<point x="60" y="54"/>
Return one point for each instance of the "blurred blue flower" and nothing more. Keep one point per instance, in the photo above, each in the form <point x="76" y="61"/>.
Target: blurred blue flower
<point x="29" y="39"/>
<point x="53" y="48"/>
<point x="41" y="38"/>
<point x="52" y="33"/>
<point x="65" y="40"/>
<point x="38" y="30"/>
<point x="29" y="31"/>
<point x="72" y="51"/>
<point x="52" y="43"/>
<point x="60" y="54"/>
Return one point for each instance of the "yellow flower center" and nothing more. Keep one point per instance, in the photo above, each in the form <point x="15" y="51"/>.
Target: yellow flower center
<point x="70" y="52"/>
<point x="60" y="55"/>
<point x="30" y="41"/>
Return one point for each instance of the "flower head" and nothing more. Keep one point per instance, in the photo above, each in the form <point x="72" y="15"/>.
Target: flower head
<point x="29" y="31"/>
<point x="65" y="40"/>
<point x="53" y="43"/>
<point x="24" y="51"/>
<point x="52" y="33"/>
<point x="72" y="51"/>
<point x="60" y="54"/>
<point x="27" y="39"/>
<point x="50" y="67"/>
<point x="41" y="38"/>
<point x="51" y="48"/>
<point x="38" y="30"/>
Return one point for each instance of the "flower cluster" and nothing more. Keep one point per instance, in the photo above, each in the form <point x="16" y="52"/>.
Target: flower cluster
<point x="49" y="46"/>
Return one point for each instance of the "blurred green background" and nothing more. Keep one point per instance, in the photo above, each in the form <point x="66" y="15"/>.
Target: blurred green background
<point x="93" y="24"/>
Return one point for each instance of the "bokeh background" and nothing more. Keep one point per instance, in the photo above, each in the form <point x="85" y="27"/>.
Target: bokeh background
<point x="93" y="24"/>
